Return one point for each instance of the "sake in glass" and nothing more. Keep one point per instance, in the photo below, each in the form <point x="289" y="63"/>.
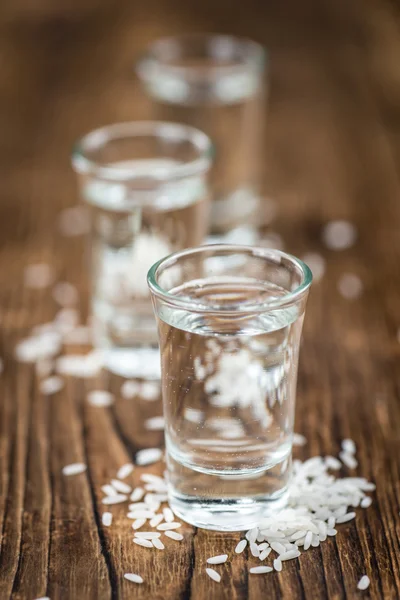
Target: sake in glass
<point x="229" y="323"/>
<point x="217" y="84"/>
<point x="146" y="185"/>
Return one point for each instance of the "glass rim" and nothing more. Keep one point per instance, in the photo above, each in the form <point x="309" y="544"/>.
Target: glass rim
<point x="98" y="138"/>
<point x="257" y="55"/>
<point x="256" y="251"/>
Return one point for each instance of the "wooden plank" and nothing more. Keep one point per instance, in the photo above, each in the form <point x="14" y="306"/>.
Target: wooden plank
<point x="31" y="577"/>
<point x="76" y="564"/>
<point x="18" y="396"/>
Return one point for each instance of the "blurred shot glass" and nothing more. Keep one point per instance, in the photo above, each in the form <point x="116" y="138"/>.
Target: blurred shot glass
<point x="217" y="84"/>
<point x="146" y="185"/>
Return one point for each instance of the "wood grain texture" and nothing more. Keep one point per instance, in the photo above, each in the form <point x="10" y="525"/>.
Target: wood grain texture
<point x="333" y="151"/>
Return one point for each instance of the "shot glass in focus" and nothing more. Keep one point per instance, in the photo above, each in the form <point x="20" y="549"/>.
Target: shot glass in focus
<point x="229" y="321"/>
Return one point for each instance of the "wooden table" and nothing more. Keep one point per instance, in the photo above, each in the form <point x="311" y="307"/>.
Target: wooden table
<point x="333" y="153"/>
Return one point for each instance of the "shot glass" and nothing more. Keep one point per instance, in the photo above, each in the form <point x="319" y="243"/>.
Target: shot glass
<point x="229" y="323"/>
<point x="216" y="83"/>
<point x="146" y="186"/>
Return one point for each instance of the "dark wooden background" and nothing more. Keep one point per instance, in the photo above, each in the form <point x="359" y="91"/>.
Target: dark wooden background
<point x="333" y="141"/>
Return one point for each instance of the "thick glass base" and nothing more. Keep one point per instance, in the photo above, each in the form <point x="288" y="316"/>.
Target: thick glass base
<point x="227" y="514"/>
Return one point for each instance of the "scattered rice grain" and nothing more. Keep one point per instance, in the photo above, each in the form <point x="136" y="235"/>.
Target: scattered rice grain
<point x="350" y="286"/>
<point x="120" y="486"/>
<point x="138" y="523"/>
<point x="147" y="535"/>
<point x="213" y="575"/>
<point x="240" y="546"/>
<point x="108" y="489"/>
<point x="137" y="493"/>
<point x="339" y="234"/>
<point x="129" y="390"/>
<point x="265" y="553"/>
<point x="100" y="398"/>
<point x="133" y="577"/>
<point x="254" y="549"/>
<point x="106" y="519"/>
<point x="299" y="440"/>
<point x="168" y="526"/>
<point x="117" y="499"/>
<point x="259" y="570"/>
<point x="144" y="543"/>
<point x="157" y="543"/>
<point x="308" y="540"/>
<point x="345" y="518"/>
<point x="348" y="460"/>
<point x="140" y="514"/>
<point x="148" y="456"/>
<point x="150" y="391"/>
<point x="364" y="582"/>
<point x="289" y="555"/>
<point x="168" y="515"/>
<point x="278" y="564"/>
<point x="74" y="469"/>
<point x="277" y="547"/>
<point x="217" y="560"/>
<point x="155" y="423"/>
<point x="174" y="535"/>
<point x="124" y="471"/>
<point x="51" y="385"/>
<point x="156" y="520"/>
<point x="366" y="502"/>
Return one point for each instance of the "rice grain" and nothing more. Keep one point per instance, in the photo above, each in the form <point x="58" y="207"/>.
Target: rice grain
<point x="157" y="543"/>
<point x="217" y="560"/>
<point x="51" y="385"/>
<point x="124" y="471"/>
<point x="144" y="543"/>
<point x="100" y="398"/>
<point x="138" y="523"/>
<point x="120" y="486"/>
<point x="240" y="546"/>
<point x="148" y="456"/>
<point x="364" y="582"/>
<point x="213" y="575"/>
<point x="259" y="570"/>
<point x="106" y="519"/>
<point x="74" y="469"/>
<point x="137" y="494"/>
<point x="278" y="564"/>
<point x="133" y="577"/>
<point x="117" y="499"/>
<point x="168" y="526"/>
<point x="174" y="535"/>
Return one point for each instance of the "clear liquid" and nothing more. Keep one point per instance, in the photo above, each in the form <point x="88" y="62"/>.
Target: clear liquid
<point x="230" y="110"/>
<point x="229" y="395"/>
<point x="131" y="230"/>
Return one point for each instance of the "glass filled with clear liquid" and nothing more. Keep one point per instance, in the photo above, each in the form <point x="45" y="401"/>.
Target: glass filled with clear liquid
<point x="229" y="322"/>
<point x="146" y="186"/>
<point x="216" y="83"/>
